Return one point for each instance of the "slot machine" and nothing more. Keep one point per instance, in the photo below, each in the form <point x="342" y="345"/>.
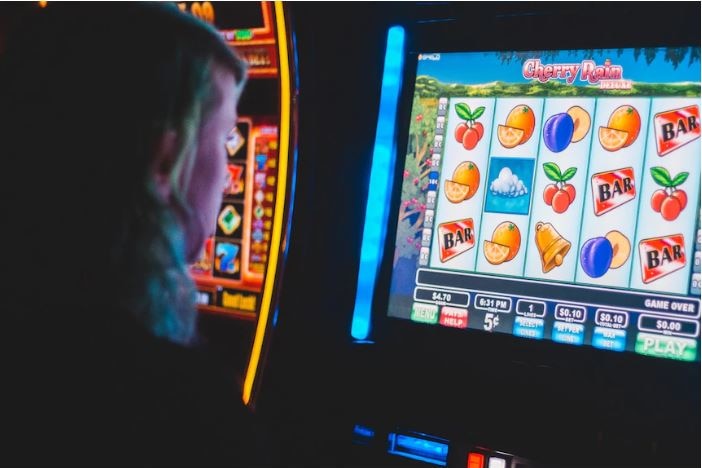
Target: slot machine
<point x="241" y="265"/>
<point x="518" y="207"/>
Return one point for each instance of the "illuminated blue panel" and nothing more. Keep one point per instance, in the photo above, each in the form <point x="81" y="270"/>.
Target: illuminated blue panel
<point x="430" y="451"/>
<point x="608" y="338"/>
<point x="571" y="333"/>
<point x="377" y="205"/>
<point x="363" y="431"/>
<point x="527" y="327"/>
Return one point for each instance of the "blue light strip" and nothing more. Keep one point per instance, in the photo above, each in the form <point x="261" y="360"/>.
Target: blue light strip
<point x="378" y="203"/>
<point x="293" y="166"/>
<point x="363" y="431"/>
<point x="429" y="451"/>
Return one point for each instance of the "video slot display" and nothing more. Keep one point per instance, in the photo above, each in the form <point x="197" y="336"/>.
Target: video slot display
<point x="229" y="274"/>
<point x="555" y="195"/>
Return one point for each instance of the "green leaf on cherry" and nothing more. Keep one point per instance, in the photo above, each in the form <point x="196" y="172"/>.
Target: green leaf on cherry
<point x="568" y="174"/>
<point x="478" y="112"/>
<point x="553" y="172"/>
<point x="463" y="111"/>
<point x="662" y="177"/>
<point x="680" y="179"/>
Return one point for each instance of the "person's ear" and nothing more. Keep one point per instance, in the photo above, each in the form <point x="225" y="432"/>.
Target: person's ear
<point x="162" y="165"/>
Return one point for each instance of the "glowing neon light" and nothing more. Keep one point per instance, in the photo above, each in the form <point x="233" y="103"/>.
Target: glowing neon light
<point x="430" y="451"/>
<point x="377" y="206"/>
<point x="276" y="233"/>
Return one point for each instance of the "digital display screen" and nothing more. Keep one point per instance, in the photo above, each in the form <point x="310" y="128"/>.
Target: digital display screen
<point x="229" y="274"/>
<point x="555" y="195"/>
<point x="239" y="15"/>
<point x="227" y="16"/>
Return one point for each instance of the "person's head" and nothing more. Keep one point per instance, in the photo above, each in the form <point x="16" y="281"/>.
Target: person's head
<point x="113" y="121"/>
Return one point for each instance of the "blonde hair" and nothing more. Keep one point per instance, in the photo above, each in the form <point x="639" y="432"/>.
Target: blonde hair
<point x="166" y="305"/>
<point x="87" y="91"/>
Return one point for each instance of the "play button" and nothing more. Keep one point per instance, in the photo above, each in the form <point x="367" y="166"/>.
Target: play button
<point x="666" y="347"/>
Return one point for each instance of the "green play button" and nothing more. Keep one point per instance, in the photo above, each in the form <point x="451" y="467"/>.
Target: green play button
<point x="669" y="347"/>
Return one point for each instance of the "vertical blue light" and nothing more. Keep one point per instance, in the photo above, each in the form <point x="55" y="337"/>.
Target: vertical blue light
<point x="377" y="205"/>
<point x="293" y="167"/>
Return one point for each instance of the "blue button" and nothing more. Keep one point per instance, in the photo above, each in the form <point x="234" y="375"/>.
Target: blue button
<point x="433" y="181"/>
<point x="571" y="333"/>
<point x="609" y="338"/>
<point x="529" y="327"/>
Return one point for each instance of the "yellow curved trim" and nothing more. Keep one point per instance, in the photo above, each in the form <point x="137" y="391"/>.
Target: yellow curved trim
<point x="276" y="234"/>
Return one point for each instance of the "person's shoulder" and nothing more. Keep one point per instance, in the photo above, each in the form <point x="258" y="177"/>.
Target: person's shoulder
<point x="202" y="405"/>
<point x="176" y="405"/>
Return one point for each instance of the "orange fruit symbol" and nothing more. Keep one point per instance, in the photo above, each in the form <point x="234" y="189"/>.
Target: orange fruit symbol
<point x="622" y="128"/>
<point x="507" y="237"/>
<point x="509" y="137"/>
<point x="611" y="139"/>
<point x="522" y="117"/>
<point x="496" y="253"/>
<point x="626" y="119"/>
<point x="467" y="173"/>
<point x="456" y="192"/>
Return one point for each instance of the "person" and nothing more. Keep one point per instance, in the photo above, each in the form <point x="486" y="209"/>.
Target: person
<point x="113" y="121"/>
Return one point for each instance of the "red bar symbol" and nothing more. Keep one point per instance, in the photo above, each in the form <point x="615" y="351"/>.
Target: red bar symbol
<point x="661" y="256"/>
<point x="612" y="189"/>
<point x="455" y="237"/>
<point x="676" y="128"/>
<point x="454" y="317"/>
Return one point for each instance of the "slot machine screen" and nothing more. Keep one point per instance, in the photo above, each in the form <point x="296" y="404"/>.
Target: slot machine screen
<point x="231" y="268"/>
<point x="554" y="195"/>
<point x="228" y="16"/>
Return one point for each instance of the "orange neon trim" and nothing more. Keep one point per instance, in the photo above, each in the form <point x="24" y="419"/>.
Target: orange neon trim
<point x="263" y="71"/>
<point x="266" y="29"/>
<point x="214" y="310"/>
<point x="276" y="234"/>
<point x="253" y="42"/>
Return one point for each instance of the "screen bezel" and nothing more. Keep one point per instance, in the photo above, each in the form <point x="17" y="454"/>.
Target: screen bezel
<point x="396" y="333"/>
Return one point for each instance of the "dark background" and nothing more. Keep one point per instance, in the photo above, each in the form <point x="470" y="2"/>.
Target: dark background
<point x="558" y="404"/>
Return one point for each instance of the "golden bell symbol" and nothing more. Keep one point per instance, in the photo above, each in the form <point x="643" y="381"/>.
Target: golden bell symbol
<point x="552" y="246"/>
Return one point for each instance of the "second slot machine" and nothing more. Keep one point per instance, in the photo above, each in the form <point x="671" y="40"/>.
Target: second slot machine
<point x="240" y="265"/>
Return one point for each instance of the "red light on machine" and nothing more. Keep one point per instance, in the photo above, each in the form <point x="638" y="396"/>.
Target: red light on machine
<point x="475" y="460"/>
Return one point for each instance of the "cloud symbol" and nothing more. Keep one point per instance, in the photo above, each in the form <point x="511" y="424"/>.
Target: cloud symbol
<point x="507" y="184"/>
